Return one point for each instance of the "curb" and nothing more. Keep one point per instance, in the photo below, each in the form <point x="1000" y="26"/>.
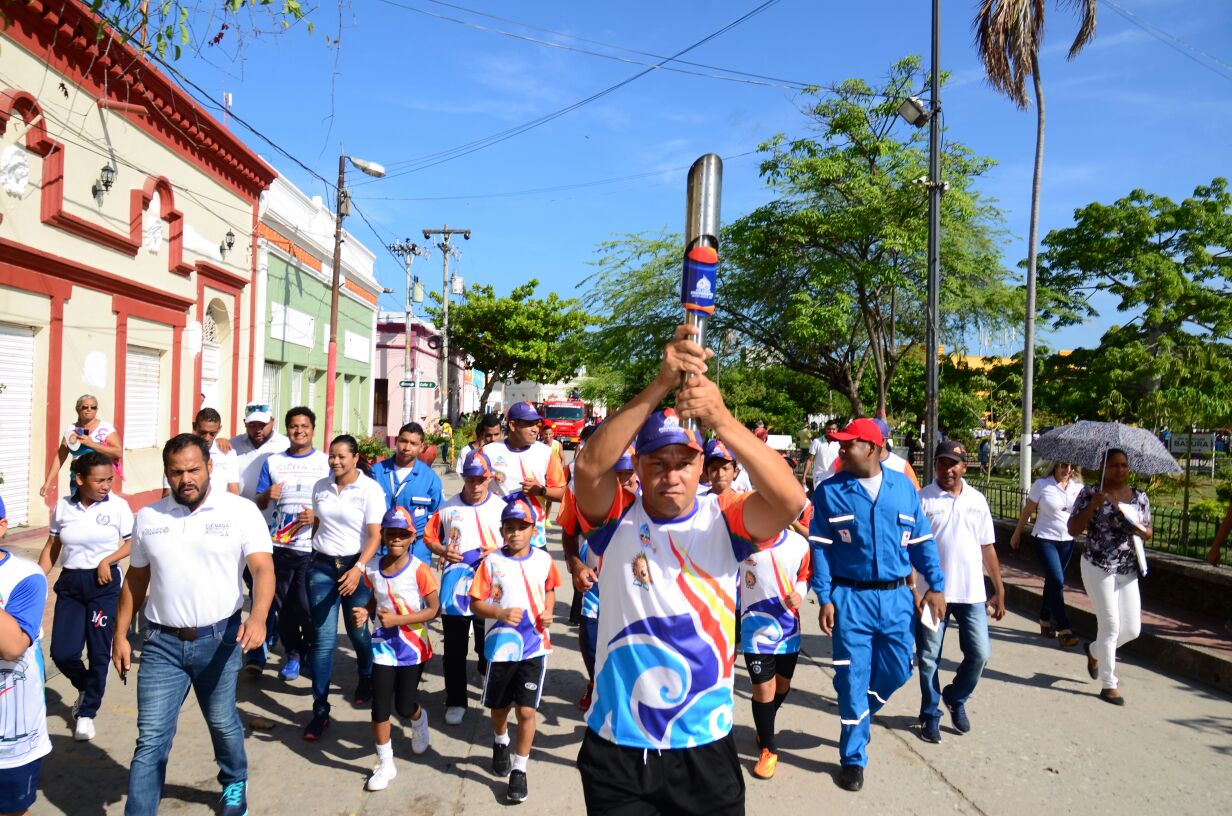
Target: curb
<point x="1166" y="653"/>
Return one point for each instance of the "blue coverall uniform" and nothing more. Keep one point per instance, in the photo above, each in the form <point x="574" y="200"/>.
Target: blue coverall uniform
<point x="857" y="543"/>
<point x="419" y="492"/>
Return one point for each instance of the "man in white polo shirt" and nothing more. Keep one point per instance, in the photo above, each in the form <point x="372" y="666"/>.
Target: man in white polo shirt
<point x="188" y="551"/>
<point x="255" y="445"/>
<point x="962" y="526"/>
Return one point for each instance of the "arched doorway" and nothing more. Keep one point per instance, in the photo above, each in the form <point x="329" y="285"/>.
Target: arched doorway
<point x="215" y="332"/>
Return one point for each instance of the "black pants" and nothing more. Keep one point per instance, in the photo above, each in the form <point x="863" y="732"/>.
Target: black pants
<point x="703" y="780"/>
<point x="457" y="632"/>
<point x="394" y="688"/>
<point x="83" y="619"/>
<point x="289" y="610"/>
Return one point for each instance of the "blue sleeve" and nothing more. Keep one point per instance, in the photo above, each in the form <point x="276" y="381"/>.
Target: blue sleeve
<point x="434" y="492"/>
<point x="264" y="480"/>
<point x="820" y="539"/>
<point x="922" y="547"/>
<point x="26" y="603"/>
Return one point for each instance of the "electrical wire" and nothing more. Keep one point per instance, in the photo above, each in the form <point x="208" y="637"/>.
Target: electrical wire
<point x="457" y="152"/>
<point x="745" y="79"/>
<point x="555" y="189"/>
<point x="1174" y="42"/>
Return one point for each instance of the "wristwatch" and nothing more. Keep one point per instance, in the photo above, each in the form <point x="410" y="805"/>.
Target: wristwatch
<point x="362" y="565"/>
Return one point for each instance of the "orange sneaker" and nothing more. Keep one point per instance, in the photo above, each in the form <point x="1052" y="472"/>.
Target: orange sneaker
<point x="766" y="763"/>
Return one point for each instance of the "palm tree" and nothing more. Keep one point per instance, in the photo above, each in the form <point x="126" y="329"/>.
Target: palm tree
<point x="1008" y="35"/>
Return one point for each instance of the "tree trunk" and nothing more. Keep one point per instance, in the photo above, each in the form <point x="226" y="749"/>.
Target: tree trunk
<point x="1028" y="335"/>
<point x="487" y="392"/>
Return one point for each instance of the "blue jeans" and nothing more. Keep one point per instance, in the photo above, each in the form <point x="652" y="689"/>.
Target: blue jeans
<point x="1054" y="558"/>
<point x="169" y="667"/>
<point x="972" y="620"/>
<point x="324" y="600"/>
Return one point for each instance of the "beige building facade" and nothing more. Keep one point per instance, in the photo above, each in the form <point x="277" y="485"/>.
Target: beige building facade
<point x="127" y="253"/>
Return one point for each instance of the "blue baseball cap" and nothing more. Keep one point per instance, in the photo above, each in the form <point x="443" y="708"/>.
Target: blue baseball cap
<point x="717" y="450"/>
<point x="397" y="518"/>
<point x="882" y="426"/>
<point x="523" y="412"/>
<point x="518" y="506"/>
<point x="625" y="462"/>
<point x="476" y="463"/>
<point x="663" y="428"/>
<point x="3" y="513"/>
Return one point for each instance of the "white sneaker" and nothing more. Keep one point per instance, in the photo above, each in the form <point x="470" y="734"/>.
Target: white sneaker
<point x="382" y="775"/>
<point x="84" y="732"/>
<point x="454" y="715"/>
<point x="419" y="732"/>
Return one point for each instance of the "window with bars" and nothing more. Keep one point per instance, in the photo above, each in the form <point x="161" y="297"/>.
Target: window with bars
<point x="270" y="386"/>
<point x="297" y="386"/>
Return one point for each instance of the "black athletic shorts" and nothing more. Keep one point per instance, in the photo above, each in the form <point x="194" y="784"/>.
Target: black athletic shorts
<point x="703" y="780"/>
<point x="510" y="683"/>
<point x="763" y="667"/>
<point x="395" y="688"/>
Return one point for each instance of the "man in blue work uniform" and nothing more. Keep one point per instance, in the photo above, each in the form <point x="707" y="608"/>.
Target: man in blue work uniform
<point x="867" y="533"/>
<point x="410" y="483"/>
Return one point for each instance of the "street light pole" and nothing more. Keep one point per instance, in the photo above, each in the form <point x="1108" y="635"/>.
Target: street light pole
<point x="341" y="210"/>
<point x="414" y="294"/>
<point x="445" y="249"/>
<point x="932" y="383"/>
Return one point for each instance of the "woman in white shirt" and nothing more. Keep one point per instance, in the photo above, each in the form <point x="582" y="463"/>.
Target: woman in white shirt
<point x="90" y="533"/>
<point x="347" y="507"/>
<point x="88" y="433"/>
<point x="1051" y="499"/>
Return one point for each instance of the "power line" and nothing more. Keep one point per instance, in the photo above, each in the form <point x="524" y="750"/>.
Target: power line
<point x="450" y="154"/>
<point x="554" y="189"/>
<point x="727" y="76"/>
<point x="1185" y="49"/>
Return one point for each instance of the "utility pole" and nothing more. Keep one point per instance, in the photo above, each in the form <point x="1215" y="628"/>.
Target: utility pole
<point x="445" y="248"/>
<point x="408" y="251"/>
<point x="935" y="188"/>
<point x="343" y="209"/>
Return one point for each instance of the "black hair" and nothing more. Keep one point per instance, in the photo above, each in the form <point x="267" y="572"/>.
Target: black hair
<point x="412" y="428"/>
<point x="85" y="463"/>
<point x="182" y="441"/>
<point x="352" y="443"/>
<point x="207" y="415"/>
<point x="301" y="410"/>
<point x="586" y="432"/>
<point x="487" y="421"/>
<point x="1111" y="451"/>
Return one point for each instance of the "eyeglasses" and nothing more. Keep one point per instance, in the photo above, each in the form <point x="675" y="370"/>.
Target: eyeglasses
<point x="254" y="408"/>
<point x="87" y="407"/>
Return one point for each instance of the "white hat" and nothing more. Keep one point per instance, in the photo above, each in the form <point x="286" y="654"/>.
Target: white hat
<point x="257" y="412"/>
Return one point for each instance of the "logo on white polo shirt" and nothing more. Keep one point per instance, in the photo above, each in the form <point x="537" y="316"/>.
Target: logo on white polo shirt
<point x="102" y="520"/>
<point x="157" y="530"/>
<point x="219" y="528"/>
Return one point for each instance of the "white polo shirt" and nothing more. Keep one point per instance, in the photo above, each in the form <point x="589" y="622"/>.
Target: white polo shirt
<point x="825" y="454"/>
<point x="225" y="470"/>
<point x="962" y="526"/>
<point x="1055" y="503"/>
<point x="343" y="515"/>
<point x="196" y="558"/>
<point x="90" y="534"/>
<point x="250" y="459"/>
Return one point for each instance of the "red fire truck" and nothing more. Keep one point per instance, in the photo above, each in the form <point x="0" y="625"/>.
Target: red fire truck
<point x="567" y="418"/>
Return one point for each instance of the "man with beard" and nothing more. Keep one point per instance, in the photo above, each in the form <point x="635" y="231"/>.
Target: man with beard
<point x="188" y="553"/>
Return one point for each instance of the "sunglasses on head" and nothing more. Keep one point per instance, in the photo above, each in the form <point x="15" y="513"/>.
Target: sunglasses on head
<point x="252" y="409"/>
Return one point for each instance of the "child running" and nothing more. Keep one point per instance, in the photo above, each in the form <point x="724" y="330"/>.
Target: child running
<point x="515" y="590"/>
<point x="404" y="599"/>
<point x="773" y="583"/>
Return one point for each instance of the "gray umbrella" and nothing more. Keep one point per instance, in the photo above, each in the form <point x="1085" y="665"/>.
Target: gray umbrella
<point x="1085" y="443"/>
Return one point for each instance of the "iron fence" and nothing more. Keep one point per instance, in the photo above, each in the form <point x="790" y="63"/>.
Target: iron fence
<point x="1172" y="534"/>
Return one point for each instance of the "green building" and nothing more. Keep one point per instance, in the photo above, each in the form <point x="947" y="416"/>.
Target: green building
<point x="295" y="269"/>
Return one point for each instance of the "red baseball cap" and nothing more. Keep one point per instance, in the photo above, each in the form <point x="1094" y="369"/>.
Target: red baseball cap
<point x="865" y="430"/>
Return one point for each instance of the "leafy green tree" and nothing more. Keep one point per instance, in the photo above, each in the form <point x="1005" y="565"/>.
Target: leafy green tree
<point x="166" y="27"/>
<point x="1169" y="267"/>
<point x="829" y="277"/>
<point x="518" y="337"/>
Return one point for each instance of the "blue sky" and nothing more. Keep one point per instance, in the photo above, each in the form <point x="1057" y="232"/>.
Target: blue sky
<point x="1133" y="110"/>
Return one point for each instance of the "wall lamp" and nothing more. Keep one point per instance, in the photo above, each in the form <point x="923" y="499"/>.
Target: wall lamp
<point x="106" y="178"/>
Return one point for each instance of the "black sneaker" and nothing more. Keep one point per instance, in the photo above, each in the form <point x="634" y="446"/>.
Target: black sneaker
<point x="851" y="777"/>
<point x="501" y="763"/>
<point x="234" y="800"/>
<point x="517" y="787"/>
<point x="363" y="691"/>
<point x="316" y="727"/>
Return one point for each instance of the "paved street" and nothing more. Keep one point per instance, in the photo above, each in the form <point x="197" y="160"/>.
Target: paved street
<point x="1042" y="742"/>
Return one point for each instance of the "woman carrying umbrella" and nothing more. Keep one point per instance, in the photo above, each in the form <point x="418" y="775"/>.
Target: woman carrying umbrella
<point x="1111" y="515"/>
<point x="1050" y="499"/>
